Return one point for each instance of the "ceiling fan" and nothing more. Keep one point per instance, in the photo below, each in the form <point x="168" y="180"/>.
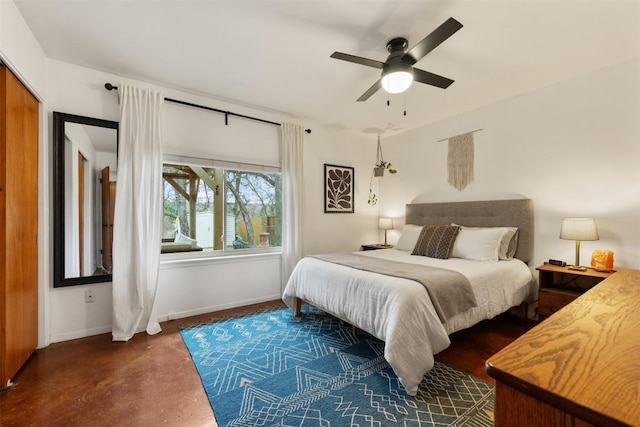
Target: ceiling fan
<point x="397" y="71"/>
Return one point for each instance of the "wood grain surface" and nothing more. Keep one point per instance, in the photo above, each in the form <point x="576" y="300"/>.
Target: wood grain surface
<point x="584" y="359"/>
<point x="18" y="224"/>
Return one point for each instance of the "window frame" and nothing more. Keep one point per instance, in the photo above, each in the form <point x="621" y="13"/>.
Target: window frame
<point x="206" y="254"/>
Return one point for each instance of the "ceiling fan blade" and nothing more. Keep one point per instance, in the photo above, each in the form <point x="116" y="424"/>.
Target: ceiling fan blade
<point x="431" y="79"/>
<point x="358" y="60"/>
<point x="433" y="40"/>
<point x="373" y="89"/>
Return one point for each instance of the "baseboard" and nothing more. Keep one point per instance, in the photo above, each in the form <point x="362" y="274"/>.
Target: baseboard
<point x="214" y="308"/>
<point x="83" y="333"/>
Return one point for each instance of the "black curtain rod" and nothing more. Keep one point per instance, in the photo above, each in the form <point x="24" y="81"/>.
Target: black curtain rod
<point x="109" y="86"/>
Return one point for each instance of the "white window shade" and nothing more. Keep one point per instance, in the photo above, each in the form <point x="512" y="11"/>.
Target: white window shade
<point x="201" y="133"/>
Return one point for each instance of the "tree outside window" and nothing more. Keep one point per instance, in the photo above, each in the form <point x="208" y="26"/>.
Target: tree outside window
<point x="222" y="209"/>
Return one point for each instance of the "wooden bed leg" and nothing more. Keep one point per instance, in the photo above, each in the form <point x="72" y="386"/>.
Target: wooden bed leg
<point x="523" y="311"/>
<point x="353" y="328"/>
<point x="297" y="308"/>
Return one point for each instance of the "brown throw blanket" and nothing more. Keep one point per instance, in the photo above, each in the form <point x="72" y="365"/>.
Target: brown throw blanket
<point x="450" y="291"/>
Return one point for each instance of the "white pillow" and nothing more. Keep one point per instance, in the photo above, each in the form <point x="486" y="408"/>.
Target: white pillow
<point x="180" y="238"/>
<point x="509" y="243"/>
<point x="409" y="237"/>
<point x="478" y="244"/>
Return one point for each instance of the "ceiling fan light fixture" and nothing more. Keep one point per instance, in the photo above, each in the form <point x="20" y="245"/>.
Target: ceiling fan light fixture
<point x="397" y="71"/>
<point x="397" y="78"/>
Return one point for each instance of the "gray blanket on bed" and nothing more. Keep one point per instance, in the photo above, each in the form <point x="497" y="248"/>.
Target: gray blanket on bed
<point x="450" y="291"/>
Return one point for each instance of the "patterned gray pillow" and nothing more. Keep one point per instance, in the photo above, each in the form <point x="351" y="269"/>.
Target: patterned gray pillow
<point x="436" y="241"/>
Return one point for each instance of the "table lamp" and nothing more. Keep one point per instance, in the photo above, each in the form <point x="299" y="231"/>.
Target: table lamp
<point x="385" y="224"/>
<point x="578" y="229"/>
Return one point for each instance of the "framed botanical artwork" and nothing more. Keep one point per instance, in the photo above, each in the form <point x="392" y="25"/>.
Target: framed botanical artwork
<point x="338" y="189"/>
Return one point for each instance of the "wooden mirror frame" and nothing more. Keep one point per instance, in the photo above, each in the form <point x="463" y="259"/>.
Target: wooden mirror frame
<point x="59" y="120"/>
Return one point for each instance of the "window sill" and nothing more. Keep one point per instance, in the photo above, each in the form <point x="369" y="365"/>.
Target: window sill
<point x="187" y="259"/>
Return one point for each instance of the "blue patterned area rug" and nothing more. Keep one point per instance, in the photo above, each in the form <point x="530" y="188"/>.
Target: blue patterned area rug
<point x="273" y="369"/>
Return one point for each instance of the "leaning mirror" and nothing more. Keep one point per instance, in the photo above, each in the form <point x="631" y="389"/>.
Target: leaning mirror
<point x="84" y="171"/>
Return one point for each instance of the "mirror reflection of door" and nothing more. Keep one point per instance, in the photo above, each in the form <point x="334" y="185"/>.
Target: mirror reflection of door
<point x="89" y="151"/>
<point x="108" y="193"/>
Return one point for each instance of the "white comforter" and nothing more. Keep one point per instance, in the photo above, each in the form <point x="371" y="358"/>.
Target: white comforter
<point x="399" y="311"/>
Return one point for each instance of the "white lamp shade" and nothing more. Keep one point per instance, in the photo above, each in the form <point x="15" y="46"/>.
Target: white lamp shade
<point x="385" y="224"/>
<point x="397" y="81"/>
<point x="579" y="229"/>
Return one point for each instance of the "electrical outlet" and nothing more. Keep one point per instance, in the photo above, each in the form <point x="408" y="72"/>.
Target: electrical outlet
<point x="89" y="296"/>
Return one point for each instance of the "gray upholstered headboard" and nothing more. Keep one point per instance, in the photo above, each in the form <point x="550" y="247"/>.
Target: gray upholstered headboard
<point x="486" y="213"/>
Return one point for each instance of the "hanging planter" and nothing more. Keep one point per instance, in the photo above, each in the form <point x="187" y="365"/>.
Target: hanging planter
<point x="378" y="170"/>
<point x="381" y="165"/>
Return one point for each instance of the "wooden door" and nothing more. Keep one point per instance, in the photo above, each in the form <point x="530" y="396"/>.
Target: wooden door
<point x="18" y="225"/>
<point x="108" y="196"/>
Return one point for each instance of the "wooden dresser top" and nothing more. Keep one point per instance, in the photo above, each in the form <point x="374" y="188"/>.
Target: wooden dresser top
<point x="584" y="359"/>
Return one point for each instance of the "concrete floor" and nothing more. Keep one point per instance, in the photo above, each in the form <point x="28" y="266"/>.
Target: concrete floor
<point x="151" y="380"/>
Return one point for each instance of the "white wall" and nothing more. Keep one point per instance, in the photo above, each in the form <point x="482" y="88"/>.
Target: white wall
<point x="193" y="287"/>
<point x="20" y="50"/>
<point x="337" y="232"/>
<point x="202" y="286"/>
<point x="573" y="148"/>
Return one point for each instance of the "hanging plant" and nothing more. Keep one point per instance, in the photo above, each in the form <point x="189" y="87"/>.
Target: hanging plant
<point x="381" y="165"/>
<point x="373" y="199"/>
<point x="378" y="170"/>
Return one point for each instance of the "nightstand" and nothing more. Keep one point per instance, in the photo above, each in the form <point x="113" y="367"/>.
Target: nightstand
<point x="375" y="246"/>
<point x="558" y="286"/>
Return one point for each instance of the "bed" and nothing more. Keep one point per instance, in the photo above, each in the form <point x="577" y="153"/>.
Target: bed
<point x="407" y="314"/>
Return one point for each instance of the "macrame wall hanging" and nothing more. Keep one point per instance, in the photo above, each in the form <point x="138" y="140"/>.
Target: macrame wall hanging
<point x="460" y="160"/>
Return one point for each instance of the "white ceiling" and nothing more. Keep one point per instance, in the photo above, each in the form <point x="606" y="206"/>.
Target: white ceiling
<point x="274" y="54"/>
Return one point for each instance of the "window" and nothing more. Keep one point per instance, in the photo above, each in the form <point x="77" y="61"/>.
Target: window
<point x="220" y="206"/>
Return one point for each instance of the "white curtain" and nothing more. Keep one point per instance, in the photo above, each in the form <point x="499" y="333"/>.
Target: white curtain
<point x="292" y="138"/>
<point x="137" y="230"/>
